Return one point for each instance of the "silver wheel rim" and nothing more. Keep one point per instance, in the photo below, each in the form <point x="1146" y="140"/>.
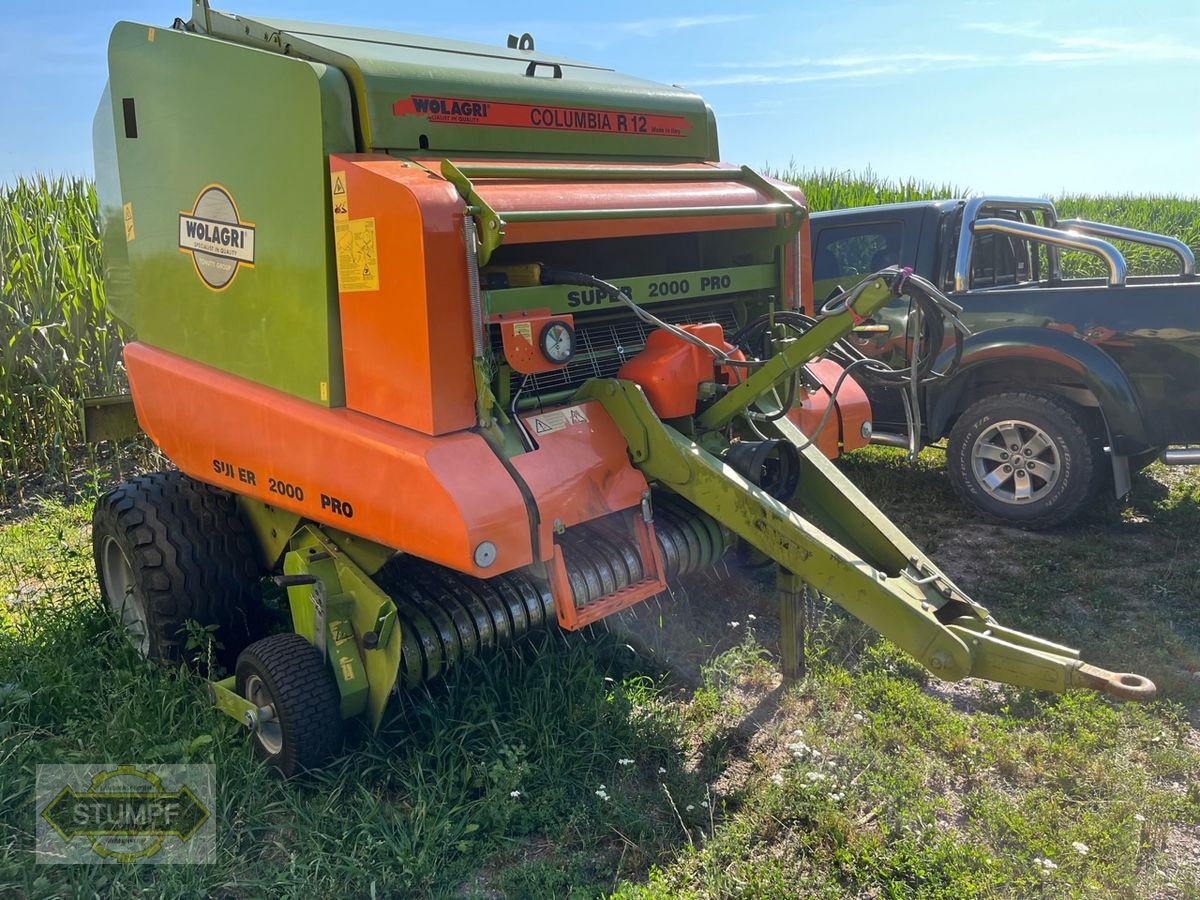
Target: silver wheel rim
<point x="117" y="579"/>
<point x="268" y="733"/>
<point x="1015" y="462"/>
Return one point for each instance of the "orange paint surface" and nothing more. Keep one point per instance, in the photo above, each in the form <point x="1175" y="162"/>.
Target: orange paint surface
<point x="436" y="498"/>
<point x="406" y="347"/>
<point x="580" y="471"/>
<point x="843" y="430"/>
<point x="670" y="370"/>
<point x="515" y="195"/>
<point x="521" y="334"/>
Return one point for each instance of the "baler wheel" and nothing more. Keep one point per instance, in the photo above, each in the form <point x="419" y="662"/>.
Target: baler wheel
<point x="299" y="723"/>
<point x="170" y="550"/>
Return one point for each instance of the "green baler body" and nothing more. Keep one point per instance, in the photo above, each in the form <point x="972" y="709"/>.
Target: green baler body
<point x="254" y="108"/>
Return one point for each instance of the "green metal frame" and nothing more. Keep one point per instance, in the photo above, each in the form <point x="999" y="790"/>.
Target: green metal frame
<point x="701" y="283"/>
<point x="364" y="669"/>
<point x="916" y="606"/>
<point x="354" y="607"/>
<point x="108" y="418"/>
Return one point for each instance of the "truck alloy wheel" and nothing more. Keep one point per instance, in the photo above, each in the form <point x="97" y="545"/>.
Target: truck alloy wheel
<point x="1021" y="457"/>
<point x="1015" y="461"/>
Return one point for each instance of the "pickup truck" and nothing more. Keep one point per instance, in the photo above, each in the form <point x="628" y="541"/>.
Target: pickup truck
<point x="1065" y="385"/>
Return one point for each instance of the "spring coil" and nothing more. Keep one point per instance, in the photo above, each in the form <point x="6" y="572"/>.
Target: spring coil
<point x="445" y="616"/>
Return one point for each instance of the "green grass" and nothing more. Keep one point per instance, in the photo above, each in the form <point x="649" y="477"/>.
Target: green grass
<point x="912" y="791"/>
<point x="932" y="792"/>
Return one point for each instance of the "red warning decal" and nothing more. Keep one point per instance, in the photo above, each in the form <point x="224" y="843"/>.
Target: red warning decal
<point x="460" y="111"/>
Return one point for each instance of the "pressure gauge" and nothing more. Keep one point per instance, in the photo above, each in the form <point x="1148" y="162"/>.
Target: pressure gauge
<point x="557" y="342"/>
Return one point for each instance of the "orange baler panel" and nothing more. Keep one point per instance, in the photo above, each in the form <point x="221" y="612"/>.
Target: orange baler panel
<point x="843" y="429"/>
<point x="403" y="294"/>
<point x="580" y="469"/>
<point x="434" y="497"/>
<point x="518" y="195"/>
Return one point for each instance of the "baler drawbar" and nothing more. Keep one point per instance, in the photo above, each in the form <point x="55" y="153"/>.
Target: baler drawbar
<point x="474" y="341"/>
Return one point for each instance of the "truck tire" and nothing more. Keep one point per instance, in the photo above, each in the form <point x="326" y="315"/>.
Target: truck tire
<point x="1023" y="458"/>
<point x="286" y="674"/>
<point x="169" y="551"/>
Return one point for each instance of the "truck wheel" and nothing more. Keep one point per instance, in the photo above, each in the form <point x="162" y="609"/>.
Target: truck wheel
<point x="170" y="550"/>
<point x="1024" y="458"/>
<point x="301" y="723"/>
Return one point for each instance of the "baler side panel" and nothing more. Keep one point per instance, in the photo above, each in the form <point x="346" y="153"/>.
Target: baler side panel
<point x="406" y="335"/>
<point x="580" y="470"/>
<point x="437" y="498"/>
<point x="115" y="232"/>
<point x="194" y="118"/>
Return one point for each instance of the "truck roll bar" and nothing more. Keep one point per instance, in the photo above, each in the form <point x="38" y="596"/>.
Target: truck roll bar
<point x="1075" y="241"/>
<point x="1187" y="259"/>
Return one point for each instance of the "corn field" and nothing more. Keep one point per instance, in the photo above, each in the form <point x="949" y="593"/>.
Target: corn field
<point x="58" y="345"/>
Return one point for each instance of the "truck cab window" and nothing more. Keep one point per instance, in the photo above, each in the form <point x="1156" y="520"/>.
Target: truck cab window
<point x="999" y="259"/>
<point x="845" y="255"/>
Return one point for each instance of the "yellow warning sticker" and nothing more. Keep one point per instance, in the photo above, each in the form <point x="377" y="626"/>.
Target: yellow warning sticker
<point x="557" y="420"/>
<point x="523" y="329"/>
<point x="341" y="200"/>
<point x="357" y="255"/>
<point x="130" y="234"/>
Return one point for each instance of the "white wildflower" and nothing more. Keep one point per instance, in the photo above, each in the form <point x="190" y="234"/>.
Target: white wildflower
<point x="603" y="787"/>
<point x="777" y="778"/>
<point x="514" y="794"/>
<point x="1080" y="847"/>
<point x="704" y="803"/>
<point x="625" y="762"/>
<point x="603" y="795"/>
<point x="662" y="771"/>
<point x="690" y="807"/>
<point x="734" y="624"/>
<point x="815" y="776"/>
<point x="751" y="616"/>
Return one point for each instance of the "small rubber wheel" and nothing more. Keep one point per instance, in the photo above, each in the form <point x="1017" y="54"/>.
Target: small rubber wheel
<point x="169" y="550"/>
<point x="300" y="727"/>
<point x="1021" y="457"/>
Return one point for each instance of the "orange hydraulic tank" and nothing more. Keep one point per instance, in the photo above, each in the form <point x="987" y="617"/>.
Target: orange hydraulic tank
<point x="670" y="370"/>
<point x="403" y="293"/>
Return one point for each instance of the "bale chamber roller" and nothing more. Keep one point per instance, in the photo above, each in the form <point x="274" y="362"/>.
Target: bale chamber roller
<point x="455" y="342"/>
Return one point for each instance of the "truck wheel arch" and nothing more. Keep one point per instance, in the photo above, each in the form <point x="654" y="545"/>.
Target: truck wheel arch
<point x="1053" y="362"/>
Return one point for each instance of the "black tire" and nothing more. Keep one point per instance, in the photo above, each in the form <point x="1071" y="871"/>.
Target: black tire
<point x="1047" y="479"/>
<point x="289" y="673"/>
<point x="168" y="550"/>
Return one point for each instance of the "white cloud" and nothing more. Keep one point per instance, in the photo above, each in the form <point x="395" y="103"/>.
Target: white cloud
<point x="1095" y="48"/>
<point x="654" y="27"/>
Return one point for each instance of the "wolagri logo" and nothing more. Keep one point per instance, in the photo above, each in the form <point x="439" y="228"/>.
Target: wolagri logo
<point x="218" y="240"/>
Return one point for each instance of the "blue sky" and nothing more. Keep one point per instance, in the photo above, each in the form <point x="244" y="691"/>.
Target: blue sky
<point x="1005" y="97"/>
